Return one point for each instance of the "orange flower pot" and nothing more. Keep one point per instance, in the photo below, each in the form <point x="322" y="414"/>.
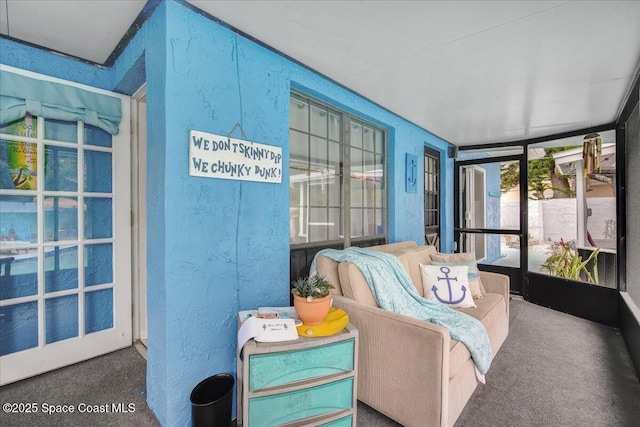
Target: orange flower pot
<point x="312" y="313"/>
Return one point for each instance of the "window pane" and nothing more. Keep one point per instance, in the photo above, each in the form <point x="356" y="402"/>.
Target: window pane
<point x="367" y="138"/>
<point x="317" y="224"/>
<point x="298" y="115"/>
<point x="61" y="318"/>
<point x="335" y="224"/>
<point x="98" y="177"/>
<point x="369" y="194"/>
<point x="379" y="221"/>
<point x="60" y="218"/>
<point x="18" y="327"/>
<point x="318" y="122"/>
<point x="333" y="183"/>
<point x="98" y="264"/>
<point x="369" y="222"/>
<point x="61" y="131"/>
<point x="98" y="218"/>
<point x="379" y="141"/>
<point x="335" y="157"/>
<point x="357" y="166"/>
<point x="318" y="191"/>
<point x="335" y="127"/>
<point x="356" y="223"/>
<point x="60" y="268"/>
<point x="20" y="170"/>
<point x="356" y="134"/>
<point x="299" y="148"/>
<point x="96" y="136"/>
<point x="357" y="193"/>
<point x="98" y="310"/>
<point x="318" y="151"/>
<point x="61" y="169"/>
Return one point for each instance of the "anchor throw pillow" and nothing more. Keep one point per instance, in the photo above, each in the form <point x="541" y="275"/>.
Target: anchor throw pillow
<point x="448" y="284"/>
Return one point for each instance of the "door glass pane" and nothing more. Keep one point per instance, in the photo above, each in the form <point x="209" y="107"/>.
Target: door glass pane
<point x="572" y="208"/>
<point x="98" y="218"/>
<point x="96" y="136"/>
<point x="61" y="168"/>
<point x="98" y="310"/>
<point x="61" y="131"/>
<point x="18" y="327"/>
<point x="60" y="218"/>
<point x="61" y="268"/>
<point x="98" y="178"/>
<point x="18" y="170"/>
<point x="19" y="224"/>
<point x="18" y="273"/>
<point x="498" y="249"/>
<point x="61" y="316"/>
<point x="98" y="267"/>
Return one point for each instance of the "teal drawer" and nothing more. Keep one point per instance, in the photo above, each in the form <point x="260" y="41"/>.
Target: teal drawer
<point x="283" y="408"/>
<point x="342" y="422"/>
<point x="273" y="369"/>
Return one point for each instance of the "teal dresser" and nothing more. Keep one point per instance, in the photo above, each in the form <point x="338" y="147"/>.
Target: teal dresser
<point x="306" y="382"/>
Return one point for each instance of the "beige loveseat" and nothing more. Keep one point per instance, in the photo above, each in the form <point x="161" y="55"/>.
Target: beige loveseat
<point x="409" y="369"/>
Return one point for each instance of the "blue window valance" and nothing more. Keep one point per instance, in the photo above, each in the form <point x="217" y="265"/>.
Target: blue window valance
<point x="21" y="94"/>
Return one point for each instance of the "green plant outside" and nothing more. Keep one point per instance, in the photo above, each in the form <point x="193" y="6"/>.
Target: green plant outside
<point x="566" y="262"/>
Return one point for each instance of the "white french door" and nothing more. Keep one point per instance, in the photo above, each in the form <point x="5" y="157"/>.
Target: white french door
<point x="474" y="208"/>
<point x="65" y="270"/>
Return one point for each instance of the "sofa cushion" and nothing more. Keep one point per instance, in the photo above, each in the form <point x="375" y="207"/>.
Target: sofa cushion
<point x="394" y="247"/>
<point x="490" y="311"/>
<point x="354" y="285"/>
<point x="465" y="258"/>
<point x="328" y="268"/>
<point x="447" y="284"/>
<point x="411" y="260"/>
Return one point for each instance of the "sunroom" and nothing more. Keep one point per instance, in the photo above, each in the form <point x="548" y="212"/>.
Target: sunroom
<point x="507" y="129"/>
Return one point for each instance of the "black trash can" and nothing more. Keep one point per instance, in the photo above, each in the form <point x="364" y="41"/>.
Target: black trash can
<point x="211" y="402"/>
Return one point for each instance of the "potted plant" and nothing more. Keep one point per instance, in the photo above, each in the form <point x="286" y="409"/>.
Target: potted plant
<point x="311" y="299"/>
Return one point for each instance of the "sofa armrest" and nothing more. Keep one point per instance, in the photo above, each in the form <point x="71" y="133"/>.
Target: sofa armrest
<point x="403" y="362"/>
<point x="496" y="283"/>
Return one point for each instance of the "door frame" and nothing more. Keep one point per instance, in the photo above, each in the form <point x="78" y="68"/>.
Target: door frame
<point x="139" y="214"/>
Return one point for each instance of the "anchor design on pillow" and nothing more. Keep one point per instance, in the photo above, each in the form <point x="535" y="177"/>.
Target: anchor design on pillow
<point x="434" y="289"/>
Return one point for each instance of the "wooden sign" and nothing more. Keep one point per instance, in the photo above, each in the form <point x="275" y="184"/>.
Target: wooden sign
<point x="217" y="156"/>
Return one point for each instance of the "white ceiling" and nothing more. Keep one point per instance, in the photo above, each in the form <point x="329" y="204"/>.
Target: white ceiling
<point x="470" y="72"/>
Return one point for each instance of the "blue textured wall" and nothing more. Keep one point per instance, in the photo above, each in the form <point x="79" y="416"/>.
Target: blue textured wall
<point x="219" y="246"/>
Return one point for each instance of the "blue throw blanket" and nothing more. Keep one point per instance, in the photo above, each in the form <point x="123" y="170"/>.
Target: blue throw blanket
<point x="393" y="289"/>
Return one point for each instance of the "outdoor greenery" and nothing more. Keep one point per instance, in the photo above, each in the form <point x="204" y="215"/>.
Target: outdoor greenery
<point x="566" y="262"/>
<point x="542" y="175"/>
<point x="311" y="287"/>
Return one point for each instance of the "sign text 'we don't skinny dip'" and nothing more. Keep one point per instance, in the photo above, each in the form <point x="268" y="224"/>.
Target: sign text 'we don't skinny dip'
<point x="218" y="156"/>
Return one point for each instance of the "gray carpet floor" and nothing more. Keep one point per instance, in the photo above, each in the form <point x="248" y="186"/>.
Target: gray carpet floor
<point x="553" y="370"/>
<point x="115" y="378"/>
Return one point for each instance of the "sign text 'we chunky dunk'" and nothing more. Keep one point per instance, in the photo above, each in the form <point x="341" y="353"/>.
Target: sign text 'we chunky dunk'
<point x="217" y="156"/>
